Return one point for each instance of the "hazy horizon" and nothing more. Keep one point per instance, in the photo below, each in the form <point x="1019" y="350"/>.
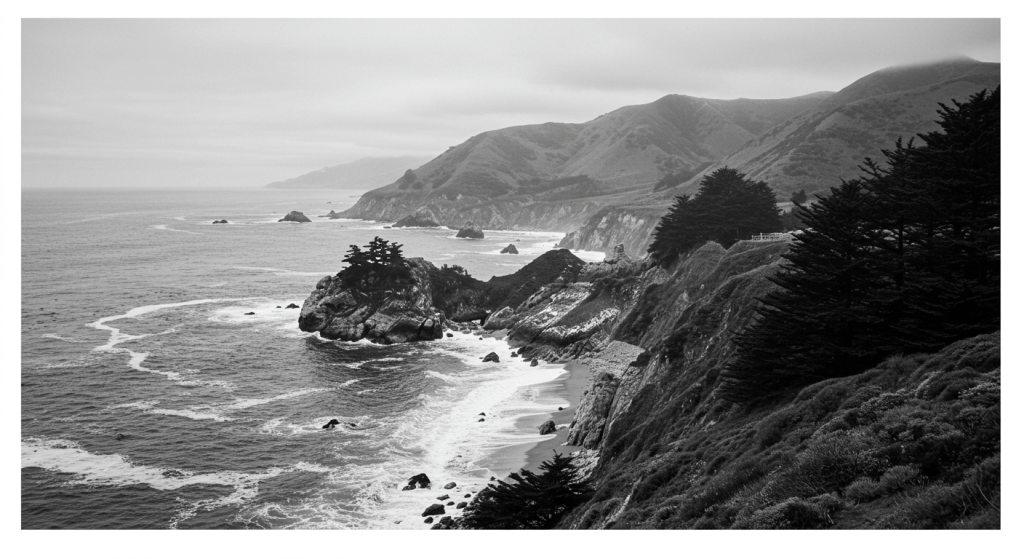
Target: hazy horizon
<point x="242" y="103"/>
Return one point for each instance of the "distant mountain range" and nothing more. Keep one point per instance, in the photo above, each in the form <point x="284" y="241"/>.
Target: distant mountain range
<point x="369" y="172"/>
<point x="559" y="176"/>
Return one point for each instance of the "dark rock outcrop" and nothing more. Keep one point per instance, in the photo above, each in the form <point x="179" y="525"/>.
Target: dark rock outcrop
<point x="249" y="313"/>
<point x="220" y="221"/>
<point x="461" y="505"/>
<point x="377" y="312"/>
<point x="292" y="306"/>
<point x="534" y="363"/>
<point x="491" y="358"/>
<point x="470" y="231"/>
<point x="449" y="485"/>
<point x="443" y="497"/>
<point x="548" y="427"/>
<point x="420" y="481"/>
<point x="428" y="520"/>
<point x="331" y="424"/>
<point x="331" y="214"/>
<point x="510" y="249"/>
<point x="296" y="216"/>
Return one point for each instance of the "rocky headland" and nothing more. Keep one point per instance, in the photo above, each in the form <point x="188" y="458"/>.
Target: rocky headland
<point x="470" y="231"/>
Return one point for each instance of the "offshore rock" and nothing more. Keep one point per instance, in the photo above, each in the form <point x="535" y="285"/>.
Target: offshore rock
<point x="292" y="306"/>
<point x="434" y="509"/>
<point x="491" y="358"/>
<point x="295" y="216"/>
<point x="418" y="480"/>
<point x="220" y="221"/>
<point x="331" y="214"/>
<point x="510" y="249"/>
<point x="377" y="313"/>
<point x="470" y="231"/>
<point x="548" y="427"/>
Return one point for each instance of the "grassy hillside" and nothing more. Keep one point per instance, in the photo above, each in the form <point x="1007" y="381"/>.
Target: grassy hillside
<point x="611" y="158"/>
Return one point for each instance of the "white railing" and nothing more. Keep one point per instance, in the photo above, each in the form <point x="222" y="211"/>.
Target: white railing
<point x="769" y="237"/>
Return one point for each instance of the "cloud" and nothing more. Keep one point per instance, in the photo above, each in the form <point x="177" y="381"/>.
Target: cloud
<point x="246" y="102"/>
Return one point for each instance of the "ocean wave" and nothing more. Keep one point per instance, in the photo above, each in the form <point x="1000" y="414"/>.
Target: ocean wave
<point x="117" y="470"/>
<point x="248" y="403"/>
<point x="197" y="413"/>
<point x="440" y="376"/>
<point x="62" y="338"/>
<point x="282" y="271"/>
<point x="166" y="228"/>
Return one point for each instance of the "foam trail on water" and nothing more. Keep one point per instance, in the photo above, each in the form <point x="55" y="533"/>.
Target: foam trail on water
<point x="166" y="228"/>
<point x="135" y="358"/>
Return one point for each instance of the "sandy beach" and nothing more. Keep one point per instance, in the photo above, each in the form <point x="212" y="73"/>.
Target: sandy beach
<point x="569" y="386"/>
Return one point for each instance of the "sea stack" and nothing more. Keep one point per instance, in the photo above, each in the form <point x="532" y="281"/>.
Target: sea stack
<point x="470" y="231"/>
<point x="510" y="249"/>
<point x="295" y="216"/>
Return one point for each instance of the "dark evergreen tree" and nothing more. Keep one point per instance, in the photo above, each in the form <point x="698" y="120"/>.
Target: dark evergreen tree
<point x="531" y="502"/>
<point x="904" y="259"/>
<point x="727" y="208"/>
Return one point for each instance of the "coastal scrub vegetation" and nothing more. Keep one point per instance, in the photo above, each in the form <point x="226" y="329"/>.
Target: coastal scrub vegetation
<point x="727" y="208"/>
<point x="532" y="501"/>
<point x="903" y="259"/>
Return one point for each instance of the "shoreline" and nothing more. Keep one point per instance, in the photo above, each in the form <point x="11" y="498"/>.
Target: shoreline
<point x="569" y="387"/>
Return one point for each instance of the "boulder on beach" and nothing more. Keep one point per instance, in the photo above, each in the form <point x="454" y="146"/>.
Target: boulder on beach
<point x="292" y="306"/>
<point x="428" y="520"/>
<point x="450" y="335"/>
<point x="534" y="363"/>
<point x="450" y="503"/>
<point x="220" y="221"/>
<point x="466" y="496"/>
<point x="514" y="354"/>
<point x="470" y="231"/>
<point x="491" y="357"/>
<point x="442" y="497"/>
<point x="510" y="249"/>
<point x="461" y="505"/>
<point x="419" y="480"/>
<point x="449" y="485"/>
<point x="297" y="217"/>
<point x="548" y="427"/>
<point x="434" y="509"/>
<point x="446" y="521"/>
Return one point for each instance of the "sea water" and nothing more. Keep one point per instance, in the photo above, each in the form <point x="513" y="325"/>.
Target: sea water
<point x="151" y="399"/>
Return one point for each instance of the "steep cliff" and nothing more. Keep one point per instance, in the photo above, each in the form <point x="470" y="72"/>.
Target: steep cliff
<point x="911" y="443"/>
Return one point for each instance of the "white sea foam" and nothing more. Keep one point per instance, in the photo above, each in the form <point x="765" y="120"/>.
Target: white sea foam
<point x="281" y="271"/>
<point x="441" y="376"/>
<point x="248" y="403"/>
<point x="166" y="228"/>
<point x="116" y="470"/>
<point x="198" y="413"/>
<point x="135" y="358"/>
<point x="62" y="338"/>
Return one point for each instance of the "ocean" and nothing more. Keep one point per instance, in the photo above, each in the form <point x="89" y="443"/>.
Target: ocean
<point x="151" y="400"/>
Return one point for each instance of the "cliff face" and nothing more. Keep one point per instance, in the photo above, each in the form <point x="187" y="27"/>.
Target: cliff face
<point x="897" y="446"/>
<point x="610" y="227"/>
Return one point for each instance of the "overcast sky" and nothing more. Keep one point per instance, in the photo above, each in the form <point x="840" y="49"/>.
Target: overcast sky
<point x="224" y="103"/>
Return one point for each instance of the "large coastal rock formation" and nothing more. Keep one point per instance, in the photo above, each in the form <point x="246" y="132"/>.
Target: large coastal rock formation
<point x="295" y="216"/>
<point x="342" y="309"/>
<point x="510" y="249"/>
<point x="470" y="231"/>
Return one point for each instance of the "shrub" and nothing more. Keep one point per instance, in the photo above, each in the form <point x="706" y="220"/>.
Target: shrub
<point x="898" y="478"/>
<point x="792" y="514"/>
<point x="863" y="490"/>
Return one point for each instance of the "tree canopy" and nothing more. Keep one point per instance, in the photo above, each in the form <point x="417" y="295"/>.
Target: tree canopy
<point x="532" y="502"/>
<point x="727" y="208"/>
<point x="904" y="258"/>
